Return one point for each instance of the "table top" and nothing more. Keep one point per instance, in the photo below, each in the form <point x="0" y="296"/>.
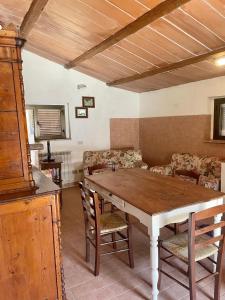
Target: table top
<point x="150" y="192"/>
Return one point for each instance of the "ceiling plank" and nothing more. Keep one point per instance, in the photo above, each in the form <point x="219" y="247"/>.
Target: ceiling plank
<point x="154" y="14"/>
<point x="32" y="16"/>
<point x="170" y="67"/>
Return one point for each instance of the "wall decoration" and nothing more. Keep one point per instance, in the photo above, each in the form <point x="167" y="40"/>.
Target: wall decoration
<point x="81" y="112"/>
<point x="88" y="101"/>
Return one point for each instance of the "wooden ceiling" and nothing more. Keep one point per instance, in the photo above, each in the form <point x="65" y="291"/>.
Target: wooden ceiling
<point x="139" y="45"/>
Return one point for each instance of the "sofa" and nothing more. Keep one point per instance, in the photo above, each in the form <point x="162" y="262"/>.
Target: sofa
<point x="202" y="170"/>
<point x="121" y="158"/>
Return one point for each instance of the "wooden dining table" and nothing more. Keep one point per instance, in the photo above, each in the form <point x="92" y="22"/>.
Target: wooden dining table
<point x="155" y="200"/>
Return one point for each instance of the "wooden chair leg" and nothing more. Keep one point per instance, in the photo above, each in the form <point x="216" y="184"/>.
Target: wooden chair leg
<point x="113" y="239"/>
<point x="176" y="228"/>
<point x="87" y="250"/>
<point x="217" y="286"/>
<point x="87" y="256"/>
<point x="192" y="283"/>
<point x="130" y="246"/>
<point x="97" y="255"/>
<point x="102" y="205"/>
<point x="218" y="278"/>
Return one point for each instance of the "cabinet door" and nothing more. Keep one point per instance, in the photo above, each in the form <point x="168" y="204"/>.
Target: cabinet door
<point x="7" y="92"/>
<point x="28" y="250"/>
<point x="10" y="150"/>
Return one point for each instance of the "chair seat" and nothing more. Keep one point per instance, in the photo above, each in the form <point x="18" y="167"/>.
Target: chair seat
<point x="111" y="222"/>
<point x="178" y="246"/>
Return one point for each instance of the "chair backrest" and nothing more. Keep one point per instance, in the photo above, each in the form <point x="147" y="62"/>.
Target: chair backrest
<point x="205" y="231"/>
<point x="90" y="204"/>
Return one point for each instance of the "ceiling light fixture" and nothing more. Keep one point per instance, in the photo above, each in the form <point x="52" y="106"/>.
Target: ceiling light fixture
<point x="220" y="61"/>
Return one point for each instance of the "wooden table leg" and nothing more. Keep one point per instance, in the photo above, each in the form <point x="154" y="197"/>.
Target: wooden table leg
<point x="154" y="257"/>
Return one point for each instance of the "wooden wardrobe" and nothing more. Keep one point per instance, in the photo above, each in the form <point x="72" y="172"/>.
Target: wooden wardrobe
<point x="30" y="258"/>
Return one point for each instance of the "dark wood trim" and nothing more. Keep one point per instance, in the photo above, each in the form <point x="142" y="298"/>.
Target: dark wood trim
<point x="217" y="119"/>
<point x="170" y="67"/>
<point x="154" y="14"/>
<point x="32" y="16"/>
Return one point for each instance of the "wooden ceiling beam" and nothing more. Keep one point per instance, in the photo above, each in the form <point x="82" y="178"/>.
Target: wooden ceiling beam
<point x="170" y="67"/>
<point x="154" y="14"/>
<point x="32" y="16"/>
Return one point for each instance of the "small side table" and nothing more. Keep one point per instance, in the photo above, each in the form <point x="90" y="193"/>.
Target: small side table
<point x="56" y="172"/>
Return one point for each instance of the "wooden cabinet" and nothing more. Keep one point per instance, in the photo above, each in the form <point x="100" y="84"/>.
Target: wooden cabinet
<point x="30" y="262"/>
<point x="30" y="259"/>
<point x="15" y="170"/>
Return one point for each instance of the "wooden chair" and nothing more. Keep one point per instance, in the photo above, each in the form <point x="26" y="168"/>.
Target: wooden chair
<point x="98" y="169"/>
<point x="98" y="226"/>
<point x="185" y="175"/>
<point x="196" y="245"/>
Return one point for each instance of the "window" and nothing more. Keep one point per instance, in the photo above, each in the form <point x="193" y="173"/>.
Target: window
<point x="219" y="119"/>
<point x="48" y="122"/>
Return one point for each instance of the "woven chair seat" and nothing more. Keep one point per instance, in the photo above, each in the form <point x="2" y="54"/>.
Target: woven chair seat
<point x="111" y="222"/>
<point x="178" y="246"/>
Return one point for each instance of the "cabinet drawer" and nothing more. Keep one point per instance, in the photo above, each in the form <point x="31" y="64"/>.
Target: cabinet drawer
<point x="5" y="53"/>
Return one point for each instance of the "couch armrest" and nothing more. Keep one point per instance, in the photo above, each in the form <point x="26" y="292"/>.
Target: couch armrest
<point x="162" y="170"/>
<point x="209" y="182"/>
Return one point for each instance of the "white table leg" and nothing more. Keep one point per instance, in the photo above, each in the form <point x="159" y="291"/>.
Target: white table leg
<point x="154" y="260"/>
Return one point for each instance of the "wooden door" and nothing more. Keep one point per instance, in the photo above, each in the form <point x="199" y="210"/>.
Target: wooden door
<point x="29" y="250"/>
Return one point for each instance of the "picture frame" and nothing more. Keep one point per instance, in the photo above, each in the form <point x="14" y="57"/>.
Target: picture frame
<point x="81" y="112"/>
<point x="88" y="101"/>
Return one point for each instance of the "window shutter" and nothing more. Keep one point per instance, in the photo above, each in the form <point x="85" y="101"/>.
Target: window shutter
<point x="49" y="122"/>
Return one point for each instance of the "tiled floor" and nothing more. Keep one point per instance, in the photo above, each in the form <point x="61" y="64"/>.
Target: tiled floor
<point x="116" y="279"/>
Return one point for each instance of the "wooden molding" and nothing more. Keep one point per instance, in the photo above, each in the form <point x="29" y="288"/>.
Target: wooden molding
<point x="154" y="14"/>
<point x="170" y="67"/>
<point x="31" y="16"/>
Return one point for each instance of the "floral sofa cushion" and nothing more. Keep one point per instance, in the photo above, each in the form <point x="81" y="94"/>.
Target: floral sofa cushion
<point x="184" y="161"/>
<point x="120" y="158"/>
<point x="208" y="168"/>
<point x="209" y="182"/>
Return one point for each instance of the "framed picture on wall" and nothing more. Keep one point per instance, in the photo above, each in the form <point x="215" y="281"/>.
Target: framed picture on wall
<point x="81" y="112"/>
<point x="88" y="101"/>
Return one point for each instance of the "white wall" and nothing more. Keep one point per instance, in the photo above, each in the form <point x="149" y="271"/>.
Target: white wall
<point x="187" y="99"/>
<point x="49" y="83"/>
